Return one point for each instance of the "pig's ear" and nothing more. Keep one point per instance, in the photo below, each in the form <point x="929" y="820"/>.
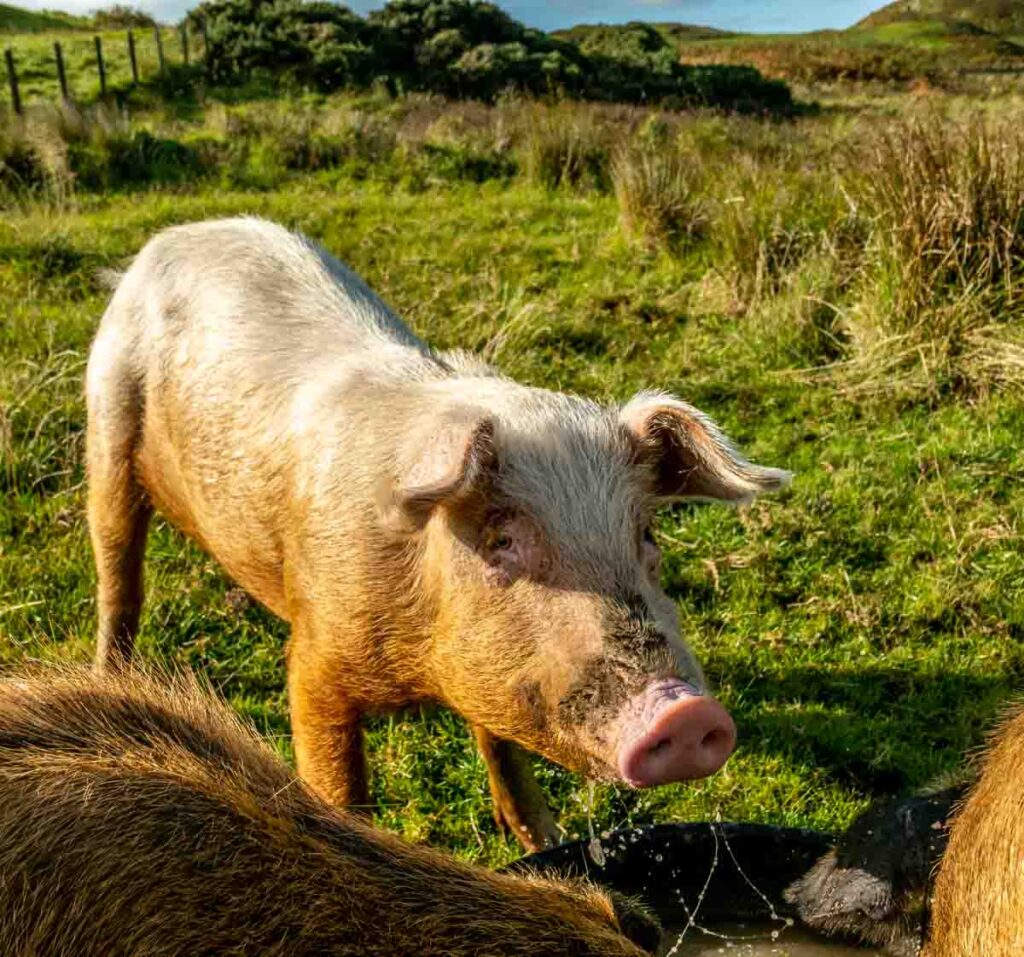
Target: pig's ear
<point x="446" y="462"/>
<point x="689" y="456"/>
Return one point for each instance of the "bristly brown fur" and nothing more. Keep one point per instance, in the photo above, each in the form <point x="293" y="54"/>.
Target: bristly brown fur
<point x="978" y="907"/>
<point x="140" y="818"/>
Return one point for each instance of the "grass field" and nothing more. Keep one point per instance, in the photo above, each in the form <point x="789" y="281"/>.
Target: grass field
<point x="864" y="627"/>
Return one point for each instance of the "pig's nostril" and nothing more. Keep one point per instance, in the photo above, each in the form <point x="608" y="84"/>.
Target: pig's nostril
<point x="717" y="738"/>
<point x="660" y="745"/>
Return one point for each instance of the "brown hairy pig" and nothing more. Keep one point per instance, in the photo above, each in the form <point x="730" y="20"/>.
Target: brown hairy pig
<point x="431" y="530"/>
<point x="140" y="820"/>
<point x="978" y="904"/>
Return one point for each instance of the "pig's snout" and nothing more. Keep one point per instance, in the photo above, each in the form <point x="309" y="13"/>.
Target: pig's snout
<point x="671" y="732"/>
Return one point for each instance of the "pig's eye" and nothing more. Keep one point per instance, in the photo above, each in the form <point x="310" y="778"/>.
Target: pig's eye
<point x="513" y="547"/>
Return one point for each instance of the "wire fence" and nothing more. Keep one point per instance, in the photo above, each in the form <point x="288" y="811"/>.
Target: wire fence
<point x="104" y="65"/>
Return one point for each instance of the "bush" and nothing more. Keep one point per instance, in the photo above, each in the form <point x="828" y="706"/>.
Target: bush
<point x="122" y="17"/>
<point x="636" y="63"/>
<point x="460" y="48"/>
<point x="318" y="43"/>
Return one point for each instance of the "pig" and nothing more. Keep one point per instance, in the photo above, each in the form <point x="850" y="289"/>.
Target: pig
<point x="876" y="883"/>
<point x="432" y="531"/>
<point x="142" y="819"/>
<point x="939" y="874"/>
<point x="978" y="902"/>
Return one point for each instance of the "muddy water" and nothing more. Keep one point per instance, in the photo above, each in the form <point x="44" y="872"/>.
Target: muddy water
<point x="755" y="940"/>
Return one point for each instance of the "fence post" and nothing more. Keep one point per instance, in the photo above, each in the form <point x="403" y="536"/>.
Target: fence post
<point x="131" y="57"/>
<point x="184" y="42"/>
<point x="100" y="66"/>
<point x="206" y="43"/>
<point x="159" y="47"/>
<point x="12" y="79"/>
<point x="62" y="78"/>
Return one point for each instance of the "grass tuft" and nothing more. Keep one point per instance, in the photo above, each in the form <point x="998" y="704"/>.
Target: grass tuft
<point x="659" y="195"/>
<point x="564" y="146"/>
<point x="947" y="258"/>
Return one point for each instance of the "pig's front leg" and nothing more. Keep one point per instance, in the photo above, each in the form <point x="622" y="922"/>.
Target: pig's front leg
<point x="519" y="803"/>
<point x="326" y="732"/>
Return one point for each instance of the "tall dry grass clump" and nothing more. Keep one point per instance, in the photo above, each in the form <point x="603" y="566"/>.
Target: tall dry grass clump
<point x="34" y="160"/>
<point x="658" y="190"/>
<point x="946" y="266"/>
<point x="563" y="145"/>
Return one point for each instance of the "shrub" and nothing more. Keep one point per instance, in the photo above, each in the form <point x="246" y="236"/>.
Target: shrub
<point x="459" y="48"/>
<point x="122" y="17"/>
<point x="318" y="43"/>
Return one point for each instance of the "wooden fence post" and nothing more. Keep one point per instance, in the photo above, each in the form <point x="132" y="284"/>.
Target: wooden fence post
<point x="206" y="43"/>
<point x="100" y="66"/>
<point x="131" y="56"/>
<point x="184" y="42"/>
<point x="12" y="79"/>
<point x="62" y="78"/>
<point x="159" y="47"/>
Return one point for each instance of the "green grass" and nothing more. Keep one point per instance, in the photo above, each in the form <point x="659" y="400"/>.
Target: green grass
<point x="864" y="627"/>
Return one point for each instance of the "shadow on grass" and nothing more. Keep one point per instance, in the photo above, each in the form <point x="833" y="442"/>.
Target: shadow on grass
<point x="879" y="729"/>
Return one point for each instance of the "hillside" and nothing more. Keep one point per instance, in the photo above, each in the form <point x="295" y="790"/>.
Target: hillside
<point x="673" y="32"/>
<point x="18" y="20"/>
<point x="1005" y="17"/>
<point x="887" y="50"/>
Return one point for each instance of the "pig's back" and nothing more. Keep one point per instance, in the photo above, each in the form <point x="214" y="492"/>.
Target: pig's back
<point x="217" y="334"/>
<point x="254" y="287"/>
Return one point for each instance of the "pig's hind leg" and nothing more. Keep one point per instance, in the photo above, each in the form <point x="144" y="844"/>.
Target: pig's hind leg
<point x="119" y="510"/>
<point x="519" y="803"/>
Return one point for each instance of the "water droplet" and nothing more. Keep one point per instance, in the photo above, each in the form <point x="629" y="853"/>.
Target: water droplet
<point x="659" y="858"/>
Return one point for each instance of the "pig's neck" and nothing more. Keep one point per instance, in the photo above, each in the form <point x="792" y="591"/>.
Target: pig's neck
<point x="403" y="616"/>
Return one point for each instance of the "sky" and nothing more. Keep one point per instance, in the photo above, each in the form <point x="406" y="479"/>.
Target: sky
<point x="756" y="16"/>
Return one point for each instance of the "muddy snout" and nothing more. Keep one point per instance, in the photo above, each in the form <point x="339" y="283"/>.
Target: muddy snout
<point x="672" y="732"/>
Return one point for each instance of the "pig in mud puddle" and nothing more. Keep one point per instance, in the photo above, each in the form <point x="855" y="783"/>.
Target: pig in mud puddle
<point x="433" y="531"/>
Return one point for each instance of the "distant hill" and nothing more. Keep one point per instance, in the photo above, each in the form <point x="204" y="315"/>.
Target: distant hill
<point x="674" y="32"/>
<point x="19" y="20"/>
<point x="1003" y="17"/>
<point x="895" y="51"/>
